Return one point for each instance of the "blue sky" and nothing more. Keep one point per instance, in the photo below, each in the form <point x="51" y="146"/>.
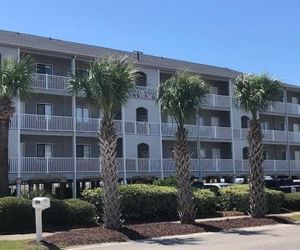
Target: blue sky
<point x="251" y="36"/>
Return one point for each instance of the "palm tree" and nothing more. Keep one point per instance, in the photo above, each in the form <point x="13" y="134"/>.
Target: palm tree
<point x="15" y="80"/>
<point x="107" y="86"/>
<point x="180" y="97"/>
<point x="254" y="93"/>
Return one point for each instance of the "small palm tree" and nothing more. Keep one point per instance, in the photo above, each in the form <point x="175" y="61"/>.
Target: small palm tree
<point x="107" y="86"/>
<point x="254" y="93"/>
<point x="15" y="80"/>
<point x="180" y="97"/>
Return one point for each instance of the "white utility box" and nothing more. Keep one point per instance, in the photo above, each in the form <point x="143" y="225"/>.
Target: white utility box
<point x="39" y="204"/>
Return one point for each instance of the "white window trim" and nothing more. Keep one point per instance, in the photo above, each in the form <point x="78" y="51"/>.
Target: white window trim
<point x="44" y="143"/>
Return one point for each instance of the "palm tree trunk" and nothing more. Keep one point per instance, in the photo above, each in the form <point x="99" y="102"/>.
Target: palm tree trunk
<point x="257" y="184"/>
<point x="4" y="127"/>
<point x="186" y="209"/>
<point x="111" y="202"/>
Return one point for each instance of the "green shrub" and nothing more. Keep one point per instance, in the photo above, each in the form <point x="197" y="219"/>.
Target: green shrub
<point x="292" y="201"/>
<point x="168" y="181"/>
<point x="17" y="214"/>
<point x="206" y="202"/>
<point x="150" y="202"/>
<point x="237" y="198"/>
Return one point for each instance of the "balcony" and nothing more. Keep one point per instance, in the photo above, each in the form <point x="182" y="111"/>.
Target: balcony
<point x="270" y="166"/>
<point x="268" y="135"/>
<point x="53" y="82"/>
<point x="61" y="83"/>
<point x="169" y="129"/>
<point x="277" y="107"/>
<point x="293" y="109"/>
<point x="221" y="101"/>
<point x="35" y="165"/>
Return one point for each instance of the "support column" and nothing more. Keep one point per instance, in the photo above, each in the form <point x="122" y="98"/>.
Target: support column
<point x="19" y="138"/>
<point x="124" y="147"/>
<point x="73" y="67"/>
<point x="160" y="133"/>
<point x="230" y="86"/>
<point x="286" y="124"/>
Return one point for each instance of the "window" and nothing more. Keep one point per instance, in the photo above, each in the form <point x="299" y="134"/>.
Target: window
<point x="171" y="151"/>
<point x="44" y="109"/>
<point x="44" y="150"/>
<point x="264" y="125"/>
<point x="213" y="90"/>
<point x="44" y="69"/>
<point x="141" y="79"/>
<point x="266" y="155"/>
<point x="245" y="153"/>
<point x="282" y="126"/>
<point x="141" y="115"/>
<point x="82" y="72"/>
<point x="283" y="155"/>
<point x="245" y="122"/>
<point x="82" y="114"/>
<point x="143" y="150"/>
<point x="83" y="151"/>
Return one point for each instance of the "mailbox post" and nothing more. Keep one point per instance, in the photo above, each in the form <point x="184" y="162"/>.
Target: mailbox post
<point x="39" y="204"/>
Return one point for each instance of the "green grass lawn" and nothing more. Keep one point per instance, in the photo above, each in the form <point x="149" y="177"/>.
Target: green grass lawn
<point x="19" y="245"/>
<point x="295" y="217"/>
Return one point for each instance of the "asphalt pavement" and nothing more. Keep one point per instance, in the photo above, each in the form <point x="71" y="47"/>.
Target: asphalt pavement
<point x="273" y="237"/>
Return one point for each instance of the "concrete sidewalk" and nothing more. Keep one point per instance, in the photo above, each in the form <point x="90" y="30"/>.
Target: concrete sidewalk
<point x="22" y="236"/>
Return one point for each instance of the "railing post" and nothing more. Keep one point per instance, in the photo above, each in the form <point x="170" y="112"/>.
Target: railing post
<point x="135" y="128"/>
<point x="273" y="135"/>
<point x="214" y="99"/>
<point x="149" y="166"/>
<point x="275" y="167"/>
<point x="217" y="165"/>
<point x="46" y="81"/>
<point x="47" y="165"/>
<point x="47" y="122"/>
<point x="215" y="131"/>
<point x="136" y="165"/>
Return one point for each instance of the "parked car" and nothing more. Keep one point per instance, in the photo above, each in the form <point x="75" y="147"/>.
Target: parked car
<point x="215" y="187"/>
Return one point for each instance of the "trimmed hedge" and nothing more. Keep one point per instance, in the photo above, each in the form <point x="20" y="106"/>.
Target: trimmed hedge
<point x="151" y="202"/>
<point x="17" y="214"/>
<point x="237" y="198"/>
<point x="292" y="201"/>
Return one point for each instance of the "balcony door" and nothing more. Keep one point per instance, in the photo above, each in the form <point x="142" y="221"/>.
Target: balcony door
<point x="44" y="68"/>
<point x="82" y="114"/>
<point x="44" y="109"/>
<point x="216" y="153"/>
<point x="44" y="150"/>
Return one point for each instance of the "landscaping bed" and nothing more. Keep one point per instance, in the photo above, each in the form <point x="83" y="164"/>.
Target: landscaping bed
<point x="99" y="234"/>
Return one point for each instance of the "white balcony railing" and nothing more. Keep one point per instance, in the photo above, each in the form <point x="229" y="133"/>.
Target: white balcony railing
<point x="293" y="108"/>
<point x="33" y="165"/>
<point x="277" y="107"/>
<point x="268" y="135"/>
<point x="54" y="82"/>
<point x="169" y="129"/>
<point x="217" y="100"/>
<point x="61" y="83"/>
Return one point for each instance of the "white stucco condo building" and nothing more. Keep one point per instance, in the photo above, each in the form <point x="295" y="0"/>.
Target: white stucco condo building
<point x="53" y="134"/>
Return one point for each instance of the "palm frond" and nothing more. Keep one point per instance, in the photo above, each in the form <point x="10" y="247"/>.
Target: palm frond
<point x="254" y="93"/>
<point x="181" y="96"/>
<point x="16" y="76"/>
<point x="108" y="84"/>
